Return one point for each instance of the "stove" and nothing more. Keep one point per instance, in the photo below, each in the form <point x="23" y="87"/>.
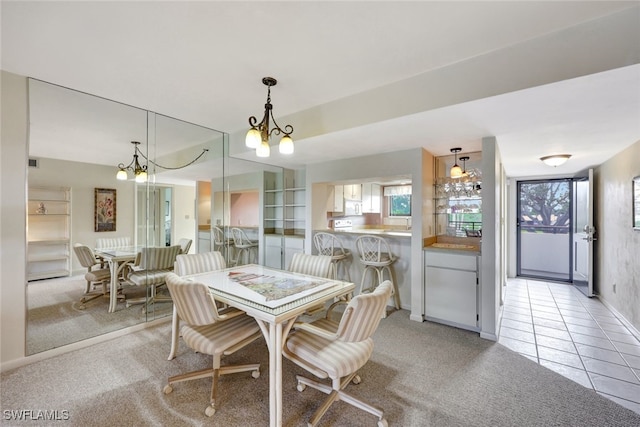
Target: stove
<point x="342" y="224"/>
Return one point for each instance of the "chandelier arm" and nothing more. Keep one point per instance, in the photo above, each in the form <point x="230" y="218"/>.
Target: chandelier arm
<point x="278" y="130"/>
<point x="204" y="150"/>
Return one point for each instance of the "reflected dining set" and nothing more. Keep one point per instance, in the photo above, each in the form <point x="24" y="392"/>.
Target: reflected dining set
<point x="218" y="311"/>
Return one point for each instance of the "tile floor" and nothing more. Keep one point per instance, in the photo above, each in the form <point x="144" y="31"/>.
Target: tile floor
<point x="556" y="326"/>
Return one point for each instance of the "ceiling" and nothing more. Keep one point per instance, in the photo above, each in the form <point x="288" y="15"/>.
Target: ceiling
<point x="354" y="78"/>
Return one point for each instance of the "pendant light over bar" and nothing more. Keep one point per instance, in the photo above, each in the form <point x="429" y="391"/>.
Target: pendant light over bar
<point x="456" y="171"/>
<point x="259" y="134"/>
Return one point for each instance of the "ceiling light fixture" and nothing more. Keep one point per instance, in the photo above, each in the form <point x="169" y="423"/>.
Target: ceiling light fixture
<point x="464" y="159"/>
<point x="259" y="134"/>
<point x="140" y="171"/>
<point x="456" y="171"/>
<point x="555" y="160"/>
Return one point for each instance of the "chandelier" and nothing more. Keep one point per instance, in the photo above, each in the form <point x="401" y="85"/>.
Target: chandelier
<point x="140" y="171"/>
<point x="259" y="134"/>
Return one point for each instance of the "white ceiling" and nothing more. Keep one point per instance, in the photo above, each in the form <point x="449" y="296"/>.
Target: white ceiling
<point x="203" y="62"/>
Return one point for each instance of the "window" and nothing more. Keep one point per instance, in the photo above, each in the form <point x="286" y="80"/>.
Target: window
<point x="400" y="205"/>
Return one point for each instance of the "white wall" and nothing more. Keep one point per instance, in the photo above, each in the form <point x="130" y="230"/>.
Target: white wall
<point x="184" y="214"/>
<point x="617" y="247"/>
<point x="13" y="197"/>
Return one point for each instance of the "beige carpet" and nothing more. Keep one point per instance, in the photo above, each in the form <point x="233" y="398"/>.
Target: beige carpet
<point x="421" y="374"/>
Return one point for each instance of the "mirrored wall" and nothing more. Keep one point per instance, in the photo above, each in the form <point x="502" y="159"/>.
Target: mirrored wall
<point x="76" y="142"/>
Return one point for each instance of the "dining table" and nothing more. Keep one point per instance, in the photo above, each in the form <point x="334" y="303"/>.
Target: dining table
<point x="117" y="259"/>
<point x="275" y="298"/>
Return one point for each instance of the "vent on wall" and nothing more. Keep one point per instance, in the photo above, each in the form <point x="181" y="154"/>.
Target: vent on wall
<point x="33" y="163"/>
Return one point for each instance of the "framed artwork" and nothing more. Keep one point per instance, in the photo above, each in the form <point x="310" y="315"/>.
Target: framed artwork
<point x="105" y="209"/>
<point x="636" y="203"/>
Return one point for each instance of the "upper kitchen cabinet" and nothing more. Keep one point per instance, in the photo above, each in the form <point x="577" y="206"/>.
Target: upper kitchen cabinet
<point x="337" y="200"/>
<point x="352" y="192"/>
<point x="371" y="198"/>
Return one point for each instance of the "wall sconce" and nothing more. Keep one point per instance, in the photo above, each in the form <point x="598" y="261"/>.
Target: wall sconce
<point x="259" y="134"/>
<point x="456" y="171"/>
<point x="140" y="171"/>
<point x="555" y="160"/>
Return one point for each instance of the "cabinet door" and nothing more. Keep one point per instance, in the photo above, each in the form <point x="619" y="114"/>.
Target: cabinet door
<point x="273" y="251"/>
<point x="292" y="245"/>
<point x="338" y="198"/>
<point x="371" y="198"/>
<point x="451" y="295"/>
<point x="353" y="192"/>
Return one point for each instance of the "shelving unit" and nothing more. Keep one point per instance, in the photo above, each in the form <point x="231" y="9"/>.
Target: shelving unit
<point x="49" y="232"/>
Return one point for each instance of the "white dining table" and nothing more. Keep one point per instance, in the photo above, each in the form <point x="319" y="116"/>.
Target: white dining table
<point x="117" y="259"/>
<point x="275" y="298"/>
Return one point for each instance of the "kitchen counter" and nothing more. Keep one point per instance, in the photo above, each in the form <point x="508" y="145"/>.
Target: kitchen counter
<point x="376" y="231"/>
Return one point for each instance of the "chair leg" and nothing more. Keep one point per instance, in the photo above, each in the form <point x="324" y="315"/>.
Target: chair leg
<point x="396" y="294"/>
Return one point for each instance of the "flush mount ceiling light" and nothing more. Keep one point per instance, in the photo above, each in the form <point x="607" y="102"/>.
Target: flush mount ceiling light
<point x="140" y="171"/>
<point x="555" y="160"/>
<point x="456" y="171"/>
<point x="259" y="134"/>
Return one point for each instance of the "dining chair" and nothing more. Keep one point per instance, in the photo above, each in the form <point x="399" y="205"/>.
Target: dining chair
<point x="244" y="247"/>
<point x="221" y="243"/>
<point x="100" y="276"/>
<point x="209" y="331"/>
<point x="110" y="243"/>
<point x="154" y="265"/>
<point x="329" y="244"/>
<point x="313" y="265"/>
<point x="337" y="350"/>
<point x="185" y="245"/>
<point x="192" y="264"/>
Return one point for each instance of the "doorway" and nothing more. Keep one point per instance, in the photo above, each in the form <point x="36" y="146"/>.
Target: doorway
<point x="544" y="229"/>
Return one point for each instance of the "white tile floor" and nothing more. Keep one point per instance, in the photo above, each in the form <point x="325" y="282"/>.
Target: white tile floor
<point x="556" y="326"/>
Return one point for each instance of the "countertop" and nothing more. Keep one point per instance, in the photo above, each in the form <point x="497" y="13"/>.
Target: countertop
<point x="453" y="244"/>
<point x="376" y="231"/>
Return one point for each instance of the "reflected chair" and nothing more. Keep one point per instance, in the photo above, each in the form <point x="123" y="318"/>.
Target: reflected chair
<point x="100" y="276"/>
<point x="154" y="265"/>
<point x="376" y="256"/>
<point x="208" y="331"/>
<point x="328" y="349"/>
<point x="313" y="265"/>
<point x="246" y="249"/>
<point x="221" y="243"/>
<point x="185" y="245"/>
<point x="192" y="264"/>
<point x="329" y="244"/>
<point x="111" y="243"/>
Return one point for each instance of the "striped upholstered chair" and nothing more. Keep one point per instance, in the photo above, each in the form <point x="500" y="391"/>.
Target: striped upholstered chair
<point x="192" y="264"/>
<point x="328" y="349"/>
<point x="208" y="331"/>
<point x="95" y="276"/>
<point x="110" y="243"/>
<point x="313" y="265"/>
<point x="155" y="263"/>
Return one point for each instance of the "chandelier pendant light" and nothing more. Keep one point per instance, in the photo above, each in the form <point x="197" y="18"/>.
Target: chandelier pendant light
<point x="259" y="134"/>
<point x="140" y="171"/>
<point x="456" y="170"/>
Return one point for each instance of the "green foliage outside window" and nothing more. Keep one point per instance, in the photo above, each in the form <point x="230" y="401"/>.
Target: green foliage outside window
<point x="400" y="205"/>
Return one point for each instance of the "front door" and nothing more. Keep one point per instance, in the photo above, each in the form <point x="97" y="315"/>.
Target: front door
<point x="583" y="232"/>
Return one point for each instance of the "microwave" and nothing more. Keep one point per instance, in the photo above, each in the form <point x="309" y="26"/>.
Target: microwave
<point x="352" y="207"/>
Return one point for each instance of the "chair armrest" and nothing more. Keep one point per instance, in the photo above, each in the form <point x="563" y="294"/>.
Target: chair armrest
<point x="229" y="313"/>
<point x="334" y="305"/>
<point x="308" y="327"/>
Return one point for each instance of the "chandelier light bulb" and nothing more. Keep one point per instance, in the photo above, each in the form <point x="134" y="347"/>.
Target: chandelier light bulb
<point x="286" y="145"/>
<point x="141" y="177"/>
<point x="253" y="138"/>
<point x="122" y="175"/>
<point x="263" y="149"/>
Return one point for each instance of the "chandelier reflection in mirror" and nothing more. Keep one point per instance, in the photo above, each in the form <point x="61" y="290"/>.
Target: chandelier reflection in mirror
<point x="259" y="134"/>
<point x="140" y="171"/>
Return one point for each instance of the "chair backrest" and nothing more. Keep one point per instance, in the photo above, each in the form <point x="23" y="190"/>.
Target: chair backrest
<point x="185" y="245"/>
<point x="313" y="265"/>
<point x="362" y="316"/>
<point x="372" y="248"/>
<point x="113" y="242"/>
<point x="85" y="255"/>
<point x="218" y="236"/>
<point x="162" y="258"/>
<point x="240" y="237"/>
<point x="199" y="263"/>
<point x="192" y="300"/>
<point x="328" y="244"/>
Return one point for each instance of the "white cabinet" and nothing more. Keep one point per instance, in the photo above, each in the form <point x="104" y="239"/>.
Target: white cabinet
<point x="204" y="241"/>
<point x="371" y="198"/>
<point x="352" y="192"/>
<point x="273" y="251"/>
<point x="49" y="232"/>
<point x="451" y="288"/>
<point x="338" y="199"/>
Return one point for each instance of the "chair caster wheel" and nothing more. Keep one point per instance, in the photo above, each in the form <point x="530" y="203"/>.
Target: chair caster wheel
<point x="81" y="307"/>
<point x="383" y="423"/>
<point x="83" y="300"/>
<point x="167" y="389"/>
<point x="210" y="411"/>
<point x="255" y="374"/>
<point x="301" y="387"/>
<point x="356" y="379"/>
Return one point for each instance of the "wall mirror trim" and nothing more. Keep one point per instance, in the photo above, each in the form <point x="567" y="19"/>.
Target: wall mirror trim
<point x="78" y="139"/>
<point x="636" y="203"/>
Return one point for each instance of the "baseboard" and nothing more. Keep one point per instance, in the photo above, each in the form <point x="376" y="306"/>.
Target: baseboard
<point x="17" y="363"/>
<point x="622" y="319"/>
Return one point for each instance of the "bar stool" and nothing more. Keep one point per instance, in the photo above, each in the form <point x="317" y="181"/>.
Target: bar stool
<point x="222" y="244"/>
<point x="375" y="254"/>
<point x="329" y="245"/>
<point x="244" y="247"/>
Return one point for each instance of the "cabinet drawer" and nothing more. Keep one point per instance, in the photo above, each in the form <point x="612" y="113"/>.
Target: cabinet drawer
<point x="449" y="260"/>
